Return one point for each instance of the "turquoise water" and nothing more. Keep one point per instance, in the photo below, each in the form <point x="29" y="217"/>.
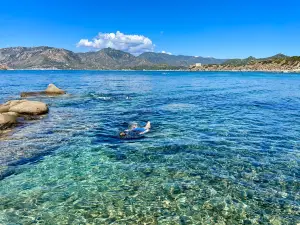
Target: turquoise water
<point x="224" y="149"/>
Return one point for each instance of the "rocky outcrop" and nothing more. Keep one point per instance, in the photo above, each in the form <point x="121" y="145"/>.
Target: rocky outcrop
<point x="11" y="111"/>
<point x="30" y="108"/>
<point x="4" y="108"/>
<point x="51" y="90"/>
<point x="7" y="120"/>
<point x="24" y="107"/>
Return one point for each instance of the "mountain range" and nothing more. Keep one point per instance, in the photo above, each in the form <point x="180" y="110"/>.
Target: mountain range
<point x="45" y="57"/>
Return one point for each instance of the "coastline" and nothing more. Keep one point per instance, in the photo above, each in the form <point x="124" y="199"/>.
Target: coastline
<point x="188" y="70"/>
<point x="263" y="71"/>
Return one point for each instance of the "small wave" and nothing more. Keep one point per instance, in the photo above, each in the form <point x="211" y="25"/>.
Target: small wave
<point x="108" y="97"/>
<point x="178" y="107"/>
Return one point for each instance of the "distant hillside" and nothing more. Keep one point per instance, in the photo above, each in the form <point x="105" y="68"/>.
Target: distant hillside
<point x="252" y="60"/>
<point x="54" y="58"/>
<point x="39" y="57"/>
<point x="178" y="60"/>
<point x="239" y="62"/>
<point x="277" y="62"/>
<point x="109" y="58"/>
<point x="106" y="59"/>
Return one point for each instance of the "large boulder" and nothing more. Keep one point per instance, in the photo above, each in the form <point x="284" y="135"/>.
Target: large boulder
<point x="51" y="90"/>
<point x="30" y="108"/>
<point x="7" y="120"/>
<point x="24" y="107"/>
<point x="12" y="110"/>
<point x="6" y="106"/>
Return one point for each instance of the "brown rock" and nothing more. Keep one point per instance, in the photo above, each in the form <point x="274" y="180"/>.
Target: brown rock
<point x="51" y="90"/>
<point x="4" y="108"/>
<point x="32" y="94"/>
<point x="7" y="120"/>
<point x="54" y="90"/>
<point x="12" y="110"/>
<point x="11" y="114"/>
<point x="14" y="102"/>
<point x="30" y="108"/>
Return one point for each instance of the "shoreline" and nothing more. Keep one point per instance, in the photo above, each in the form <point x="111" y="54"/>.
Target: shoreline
<point x="251" y="71"/>
<point x="123" y="70"/>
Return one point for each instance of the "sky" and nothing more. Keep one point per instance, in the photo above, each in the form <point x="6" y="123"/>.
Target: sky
<point x="211" y="28"/>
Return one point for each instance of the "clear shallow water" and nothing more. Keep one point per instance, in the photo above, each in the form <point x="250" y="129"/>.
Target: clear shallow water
<point x="224" y="149"/>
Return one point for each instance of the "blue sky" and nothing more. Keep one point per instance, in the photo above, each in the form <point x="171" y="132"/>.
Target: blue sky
<point x="222" y="29"/>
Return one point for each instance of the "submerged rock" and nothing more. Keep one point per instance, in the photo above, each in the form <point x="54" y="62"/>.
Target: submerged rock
<point x="51" y="90"/>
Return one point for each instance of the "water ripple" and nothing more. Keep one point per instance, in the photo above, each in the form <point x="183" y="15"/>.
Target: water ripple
<point x="224" y="149"/>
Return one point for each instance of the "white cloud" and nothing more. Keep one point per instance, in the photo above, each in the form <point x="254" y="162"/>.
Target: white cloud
<point x="135" y="44"/>
<point x="169" y="53"/>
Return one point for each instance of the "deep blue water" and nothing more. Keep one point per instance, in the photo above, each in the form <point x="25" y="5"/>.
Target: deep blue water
<point x="224" y="149"/>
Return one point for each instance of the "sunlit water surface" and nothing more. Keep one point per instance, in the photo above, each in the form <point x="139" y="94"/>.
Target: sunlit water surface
<point x="224" y="149"/>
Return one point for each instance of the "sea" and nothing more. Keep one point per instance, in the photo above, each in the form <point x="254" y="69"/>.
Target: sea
<point x="224" y="148"/>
